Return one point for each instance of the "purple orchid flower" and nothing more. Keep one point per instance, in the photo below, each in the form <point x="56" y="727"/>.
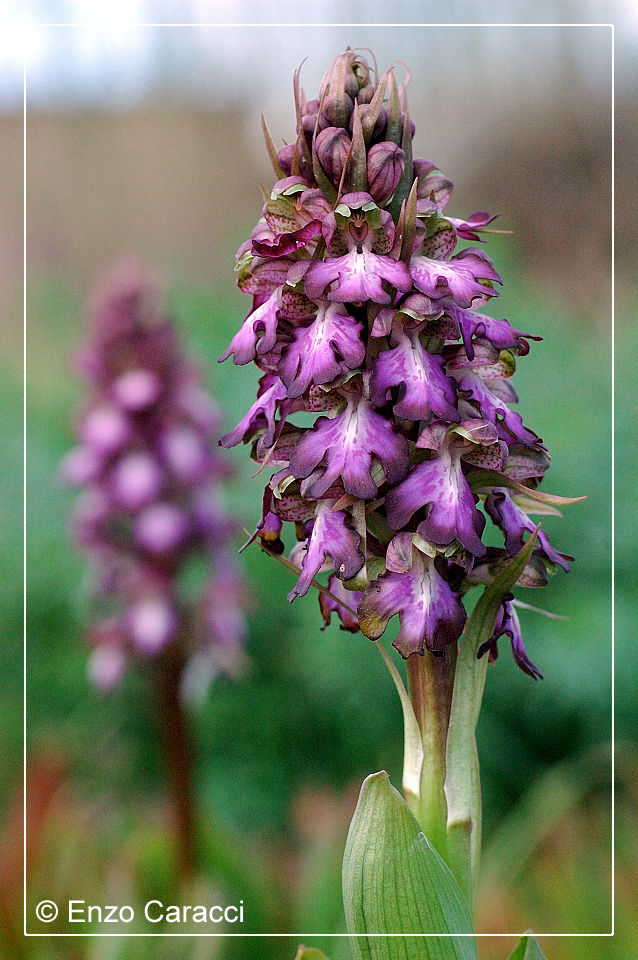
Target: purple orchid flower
<point x="347" y="444"/>
<point x="364" y="311"/>
<point x="150" y="476"/>
<point x="330" y="537"/>
<point x="457" y="278"/>
<point x="514" y="522"/>
<point x="507" y="624"/>
<point x="424" y="389"/>
<point x="330" y="346"/>
<point x="430" y="612"/>
<point x="439" y="484"/>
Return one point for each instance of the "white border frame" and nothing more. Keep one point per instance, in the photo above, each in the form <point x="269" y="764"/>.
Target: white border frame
<point x="306" y="936"/>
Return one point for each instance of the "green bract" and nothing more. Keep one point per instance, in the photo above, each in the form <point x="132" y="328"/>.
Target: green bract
<point x="394" y="882"/>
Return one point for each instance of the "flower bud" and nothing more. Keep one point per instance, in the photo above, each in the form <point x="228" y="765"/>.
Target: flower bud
<point x="332" y="147"/>
<point x="386" y="162"/>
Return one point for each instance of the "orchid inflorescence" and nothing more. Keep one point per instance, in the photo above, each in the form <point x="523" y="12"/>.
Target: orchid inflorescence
<point x="366" y="312"/>
<point x="150" y="509"/>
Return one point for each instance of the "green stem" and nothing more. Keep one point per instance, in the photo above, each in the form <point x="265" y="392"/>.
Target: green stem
<point x="430" y="691"/>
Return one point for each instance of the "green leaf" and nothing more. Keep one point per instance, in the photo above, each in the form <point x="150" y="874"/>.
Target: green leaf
<point x="528" y="949"/>
<point x="309" y="953"/>
<point x="394" y="882"/>
<point x="462" y="782"/>
<point x="270" y="147"/>
<point x="480" y="479"/>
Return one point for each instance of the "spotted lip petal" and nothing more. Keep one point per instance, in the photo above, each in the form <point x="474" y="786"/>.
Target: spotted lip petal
<point x="347" y="445"/>
<point x="507" y="623"/>
<point x="457" y="278"/>
<point x="261" y="414"/>
<point x="514" y="522"/>
<point x="358" y="275"/>
<point x="441" y="484"/>
<point x="330" y="537"/>
<point x="425" y="389"/>
<point x="430" y="612"/>
<point x="330" y="346"/>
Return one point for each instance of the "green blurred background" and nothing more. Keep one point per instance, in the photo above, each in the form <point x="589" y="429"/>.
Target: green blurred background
<point x="281" y="752"/>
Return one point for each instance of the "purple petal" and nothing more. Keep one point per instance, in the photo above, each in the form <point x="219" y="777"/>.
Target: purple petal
<point x="136" y="390"/>
<point x="507" y="623"/>
<point x="186" y="454"/>
<point x="261" y="415"/>
<point x="257" y="334"/>
<point x="330" y="346"/>
<point x="135" y="480"/>
<point x="328" y="605"/>
<point x="286" y="243"/>
<point x="161" y="528"/>
<point x="439" y="482"/>
<point x="358" y="277"/>
<point x="105" y="429"/>
<point x="469" y="229"/>
<point x="330" y="537"/>
<point x="347" y="445"/>
<point x="513" y="521"/>
<point x="430" y="612"/>
<point x="152" y="623"/>
<point x="498" y="332"/>
<point x="457" y="278"/>
<point x="508" y="423"/>
<point x="424" y="388"/>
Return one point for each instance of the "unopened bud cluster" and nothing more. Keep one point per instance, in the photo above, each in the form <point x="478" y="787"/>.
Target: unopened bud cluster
<point x="365" y="313"/>
<point x="150" y="515"/>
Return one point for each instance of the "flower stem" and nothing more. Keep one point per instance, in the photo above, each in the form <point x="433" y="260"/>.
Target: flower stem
<point x="430" y="689"/>
<point x="177" y="758"/>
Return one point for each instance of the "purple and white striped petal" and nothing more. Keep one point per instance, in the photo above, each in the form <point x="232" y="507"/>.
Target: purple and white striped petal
<point x="330" y="346"/>
<point x="423" y="387"/>
<point x="357" y="276"/>
<point x="440" y="484"/>
<point x="345" y="447"/>
<point x="431" y="614"/>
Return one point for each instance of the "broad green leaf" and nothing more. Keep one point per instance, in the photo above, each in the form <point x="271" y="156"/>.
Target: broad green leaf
<point x="480" y="479"/>
<point x="394" y="882"/>
<point x="309" y="953"/>
<point x="528" y="949"/>
<point x="462" y="783"/>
